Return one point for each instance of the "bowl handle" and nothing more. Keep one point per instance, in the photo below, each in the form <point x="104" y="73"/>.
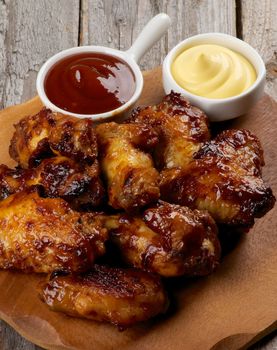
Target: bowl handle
<point x="149" y="35"/>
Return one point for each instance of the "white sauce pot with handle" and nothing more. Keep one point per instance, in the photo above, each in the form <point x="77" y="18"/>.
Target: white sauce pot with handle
<point x="150" y="34"/>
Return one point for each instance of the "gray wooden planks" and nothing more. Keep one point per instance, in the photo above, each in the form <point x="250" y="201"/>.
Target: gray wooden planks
<point x="259" y="29"/>
<point x="30" y="32"/>
<point x="117" y="23"/>
<point x="10" y="340"/>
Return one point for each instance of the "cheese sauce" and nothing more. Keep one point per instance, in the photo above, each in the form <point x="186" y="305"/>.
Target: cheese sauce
<point x="213" y="71"/>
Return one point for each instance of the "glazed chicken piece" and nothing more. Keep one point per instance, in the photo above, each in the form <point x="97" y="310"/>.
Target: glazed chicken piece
<point x="46" y="134"/>
<point x="120" y="296"/>
<point x="167" y="239"/>
<point x="131" y="177"/>
<point x="59" y="177"/>
<point x="60" y="152"/>
<point x="181" y="128"/>
<point x="225" y="179"/>
<point x="44" y="234"/>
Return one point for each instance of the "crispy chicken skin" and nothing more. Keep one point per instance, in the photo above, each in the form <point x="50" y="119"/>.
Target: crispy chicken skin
<point x="225" y="179"/>
<point x="167" y="239"/>
<point x="181" y="128"/>
<point x="58" y="153"/>
<point x="44" y="234"/>
<point x="120" y="296"/>
<point x="59" y="177"/>
<point x="46" y="134"/>
<point x="131" y="178"/>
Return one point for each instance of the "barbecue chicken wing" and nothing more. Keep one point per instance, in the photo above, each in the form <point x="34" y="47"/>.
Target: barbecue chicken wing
<point x="59" y="177"/>
<point x="131" y="177"/>
<point x="44" y="234"/>
<point x="46" y="134"/>
<point x="181" y="128"/>
<point x="225" y="179"/>
<point x="167" y="239"/>
<point x="120" y="296"/>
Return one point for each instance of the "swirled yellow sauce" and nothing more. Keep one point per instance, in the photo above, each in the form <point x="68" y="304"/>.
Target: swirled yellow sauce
<point x="213" y="71"/>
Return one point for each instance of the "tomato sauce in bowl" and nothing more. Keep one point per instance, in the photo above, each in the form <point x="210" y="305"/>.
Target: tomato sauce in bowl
<point x="90" y="83"/>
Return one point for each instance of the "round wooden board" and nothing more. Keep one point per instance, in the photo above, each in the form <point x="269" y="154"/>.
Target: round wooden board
<point x="227" y="310"/>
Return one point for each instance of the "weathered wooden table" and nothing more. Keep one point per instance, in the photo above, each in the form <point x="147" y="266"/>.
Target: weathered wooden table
<point x="33" y="30"/>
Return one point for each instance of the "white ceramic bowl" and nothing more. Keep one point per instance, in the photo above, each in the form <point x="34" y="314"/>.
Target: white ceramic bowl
<point x="151" y="33"/>
<point x="219" y="109"/>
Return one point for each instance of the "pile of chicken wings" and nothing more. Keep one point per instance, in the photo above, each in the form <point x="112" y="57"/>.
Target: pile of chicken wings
<point x="154" y="187"/>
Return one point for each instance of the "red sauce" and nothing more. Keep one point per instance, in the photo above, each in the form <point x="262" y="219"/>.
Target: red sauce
<point x="90" y="83"/>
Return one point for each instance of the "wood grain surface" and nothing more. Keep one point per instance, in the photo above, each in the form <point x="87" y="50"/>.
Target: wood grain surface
<point x="117" y="23"/>
<point x="33" y="30"/>
<point x="30" y="32"/>
<point x="218" y="312"/>
<point x="259" y="29"/>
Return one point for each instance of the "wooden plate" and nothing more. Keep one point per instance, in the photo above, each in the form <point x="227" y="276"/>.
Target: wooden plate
<point x="227" y="310"/>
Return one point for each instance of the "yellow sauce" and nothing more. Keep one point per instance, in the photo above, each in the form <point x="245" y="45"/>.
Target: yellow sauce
<point x="213" y="71"/>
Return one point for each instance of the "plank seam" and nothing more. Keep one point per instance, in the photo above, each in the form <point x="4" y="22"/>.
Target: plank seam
<point x="239" y="23"/>
<point x="80" y="22"/>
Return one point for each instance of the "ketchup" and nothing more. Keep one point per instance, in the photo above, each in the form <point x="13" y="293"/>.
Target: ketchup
<point x="90" y="83"/>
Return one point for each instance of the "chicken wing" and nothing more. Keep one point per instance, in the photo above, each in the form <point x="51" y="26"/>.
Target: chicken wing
<point x="59" y="177"/>
<point x="46" y="134"/>
<point x="120" y="296"/>
<point x="131" y="177"/>
<point x="44" y="234"/>
<point x="225" y="179"/>
<point x="167" y="239"/>
<point x="181" y="128"/>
